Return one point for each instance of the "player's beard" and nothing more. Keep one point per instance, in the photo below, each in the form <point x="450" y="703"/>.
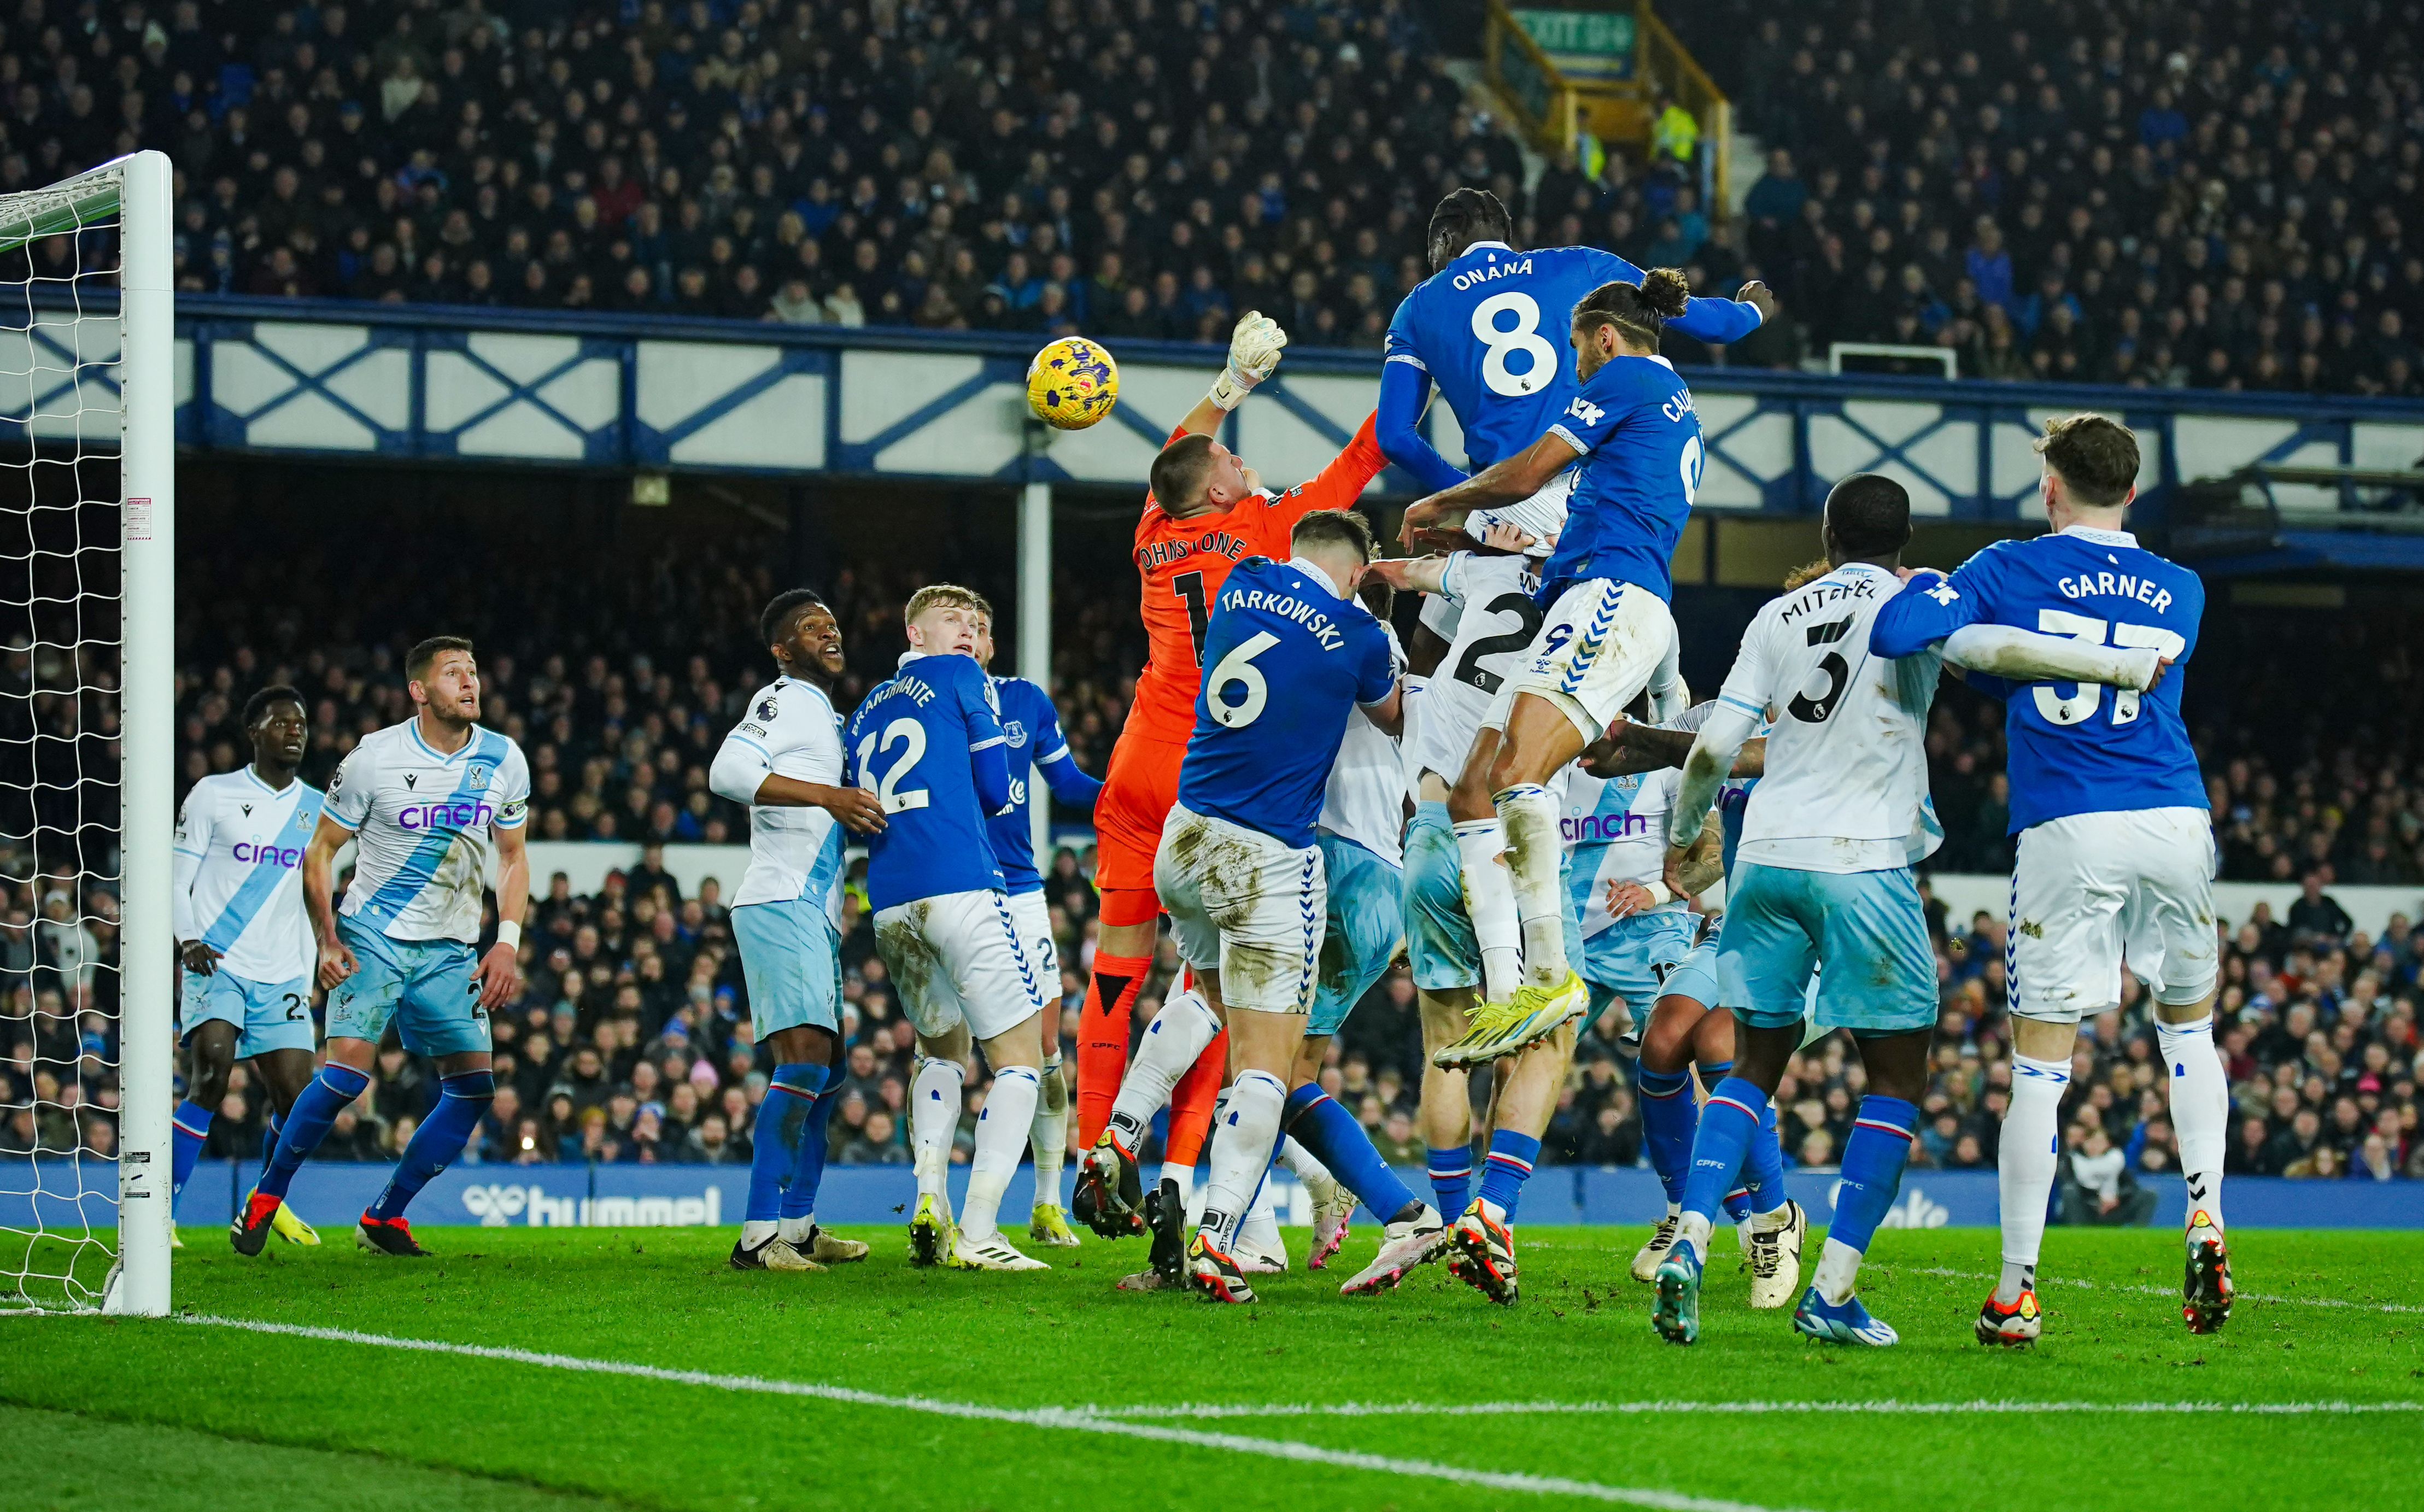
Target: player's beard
<point x="1807" y="572"/>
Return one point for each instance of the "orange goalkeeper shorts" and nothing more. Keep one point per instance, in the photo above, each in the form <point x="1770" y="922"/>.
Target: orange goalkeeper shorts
<point x="1138" y="792"/>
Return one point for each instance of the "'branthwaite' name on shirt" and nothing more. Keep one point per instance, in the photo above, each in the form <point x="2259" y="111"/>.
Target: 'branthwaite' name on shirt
<point x="1287" y="606"/>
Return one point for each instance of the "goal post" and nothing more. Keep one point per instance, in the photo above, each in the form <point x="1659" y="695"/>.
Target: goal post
<point x="87" y="377"/>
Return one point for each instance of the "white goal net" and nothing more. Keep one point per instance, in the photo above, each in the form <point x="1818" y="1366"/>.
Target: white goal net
<point x="85" y="627"/>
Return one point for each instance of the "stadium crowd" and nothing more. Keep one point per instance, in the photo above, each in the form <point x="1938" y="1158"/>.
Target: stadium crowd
<point x="2126" y="193"/>
<point x="2200" y="195"/>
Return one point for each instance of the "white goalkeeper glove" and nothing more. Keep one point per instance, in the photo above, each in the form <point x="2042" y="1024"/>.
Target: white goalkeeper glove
<point x="1254" y="350"/>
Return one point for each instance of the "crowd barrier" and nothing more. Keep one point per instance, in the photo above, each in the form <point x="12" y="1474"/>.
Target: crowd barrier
<point x="635" y="1196"/>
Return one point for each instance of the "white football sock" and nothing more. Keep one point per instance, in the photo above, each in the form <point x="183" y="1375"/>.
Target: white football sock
<point x="1490" y="903"/>
<point x="1693" y="1229"/>
<point x="1261" y="1228"/>
<point x="1050" y="1134"/>
<point x="1001" y="1134"/>
<point x="2200" y="1109"/>
<point x="1173" y="1042"/>
<point x="933" y="1118"/>
<point x="2026" y="1160"/>
<point x="1299" y="1162"/>
<point x="1242" y="1153"/>
<point x="1838" y="1266"/>
<point x="1535" y="855"/>
<point x="796" y="1231"/>
<point x="754" y="1231"/>
<point x="1778" y="1216"/>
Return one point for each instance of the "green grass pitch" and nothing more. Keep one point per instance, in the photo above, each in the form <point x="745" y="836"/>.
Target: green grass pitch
<point x="880" y="1386"/>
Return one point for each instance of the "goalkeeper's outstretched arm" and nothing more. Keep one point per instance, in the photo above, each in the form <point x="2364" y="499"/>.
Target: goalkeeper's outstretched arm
<point x="1255" y="349"/>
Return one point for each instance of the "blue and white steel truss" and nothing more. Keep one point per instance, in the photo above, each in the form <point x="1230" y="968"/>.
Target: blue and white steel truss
<point x="325" y="378"/>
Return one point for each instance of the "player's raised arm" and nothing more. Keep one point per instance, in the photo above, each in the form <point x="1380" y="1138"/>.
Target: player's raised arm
<point x="1068" y="781"/>
<point x="1517" y="477"/>
<point x="1717" y="322"/>
<point x="1255" y="349"/>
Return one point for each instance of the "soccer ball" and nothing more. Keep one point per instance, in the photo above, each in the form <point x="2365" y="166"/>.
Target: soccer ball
<point x="1072" y="383"/>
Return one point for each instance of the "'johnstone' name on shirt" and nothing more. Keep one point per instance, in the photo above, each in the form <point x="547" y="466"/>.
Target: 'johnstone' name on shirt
<point x="1287" y="606"/>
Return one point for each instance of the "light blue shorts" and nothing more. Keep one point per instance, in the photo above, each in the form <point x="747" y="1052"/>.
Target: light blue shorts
<point x="426" y="986"/>
<point x="1362" y="926"/>
<point x="791" y="957"/>
<point x="1439" y="935"/>
<point x="268" y="1016"/>
<point x="1865" y="929"/>
<point x="1696" y="975"/>
<point x="1633" y="958"/>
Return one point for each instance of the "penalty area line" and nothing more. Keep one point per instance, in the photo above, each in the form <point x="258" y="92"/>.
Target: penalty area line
<point x="1066" y="1419"/>
<point x="1887" y="1407"/>
<point x="2080" y="1283"/>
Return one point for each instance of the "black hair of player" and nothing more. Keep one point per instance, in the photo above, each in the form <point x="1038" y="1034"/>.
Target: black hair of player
<point x="257" y="707"/>
<point x="778" y="617"/>
<point x="417" y="660"/>
<point x="1333" y="526"/>
<point x="1465" y="217"/>
<point x="1639" y="312"/>
<point x="1868" y="513"/>
<point x="2097" y="458"/>
<point x="1180" y="471"/>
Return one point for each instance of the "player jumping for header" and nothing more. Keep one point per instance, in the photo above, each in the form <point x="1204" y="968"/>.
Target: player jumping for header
<point x="425" y="801"/>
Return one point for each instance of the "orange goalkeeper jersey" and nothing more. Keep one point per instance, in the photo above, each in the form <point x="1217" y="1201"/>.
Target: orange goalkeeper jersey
<point x="1182" y="564"/>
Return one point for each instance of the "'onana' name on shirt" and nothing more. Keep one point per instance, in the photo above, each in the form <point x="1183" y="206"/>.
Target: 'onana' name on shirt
<point x="1287" y="606"/>
<point x="1473" y="278"/>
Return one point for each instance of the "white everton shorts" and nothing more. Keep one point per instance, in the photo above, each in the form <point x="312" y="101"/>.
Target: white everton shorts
<point x="1242" y="903"/>
<point x="1597" y="647"/>
<point x="2091" y="889"/>
<point x="1033" y="919"/>
<point x="957" y="959"/>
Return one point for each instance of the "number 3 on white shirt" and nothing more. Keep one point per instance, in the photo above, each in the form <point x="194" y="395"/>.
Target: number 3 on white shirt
<point x="2078" y="705"/>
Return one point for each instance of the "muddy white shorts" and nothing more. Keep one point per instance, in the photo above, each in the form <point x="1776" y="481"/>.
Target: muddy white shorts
<point x="1244" y="904"/>
<point x="1597" y="647"/>
<point x="959" y="958"/>
<point x="2089" y="890"/>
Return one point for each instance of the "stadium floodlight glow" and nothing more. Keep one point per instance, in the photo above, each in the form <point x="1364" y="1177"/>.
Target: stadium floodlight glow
<point x="88" y="378"/>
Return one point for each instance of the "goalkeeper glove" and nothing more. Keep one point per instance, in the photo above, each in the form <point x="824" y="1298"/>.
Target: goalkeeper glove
<point x="1254" y="352"/>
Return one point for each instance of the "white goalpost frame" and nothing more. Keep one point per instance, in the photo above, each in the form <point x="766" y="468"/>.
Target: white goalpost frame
<point x="147" y="375"/>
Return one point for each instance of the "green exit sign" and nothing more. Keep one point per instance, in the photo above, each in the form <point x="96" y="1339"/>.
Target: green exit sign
<point x="1579" y="33"/>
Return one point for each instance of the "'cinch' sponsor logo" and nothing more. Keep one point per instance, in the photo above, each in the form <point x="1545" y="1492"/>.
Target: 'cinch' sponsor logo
<point x="266" y="855"/>
<point x="456" y="815"/>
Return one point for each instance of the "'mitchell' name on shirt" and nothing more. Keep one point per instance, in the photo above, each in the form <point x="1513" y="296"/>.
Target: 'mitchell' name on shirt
<point x="1826" y="592"/>
<point x="1287" y="606"/>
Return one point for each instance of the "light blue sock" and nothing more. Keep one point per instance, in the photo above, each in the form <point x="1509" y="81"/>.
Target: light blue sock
<point x="462" y="1101"/>
<point x="1331" y="1136"/>
<point x="1874" y="1158"/>
<point x="809" y="1160"/>
<point x="1512" y="1156"/>
<point x="1451" y="1172"/>
<point x="187" y="1128"/>
<point x="308" y="1121"/>
<point x="1667" y="1117"/>
<point x="1727" y="1126"/>
<point x="774" y="1138"/>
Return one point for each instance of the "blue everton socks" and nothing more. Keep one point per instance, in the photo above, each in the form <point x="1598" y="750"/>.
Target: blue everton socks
<point x="808" y="1163"/>
<point x="774" y="1139"/>
<point x="315" y="1109"/>
<point x="269" y="1135"/>
<point x="1313" y="1119"/>
<point x="1510" y="1166"/>
<point x="1873" y="1157"/>
<point x="1667" y="1117"/>
<point x="1451" y="1172"/>
<point x="187" y="1128"/>
<point x="461" y="1101"/>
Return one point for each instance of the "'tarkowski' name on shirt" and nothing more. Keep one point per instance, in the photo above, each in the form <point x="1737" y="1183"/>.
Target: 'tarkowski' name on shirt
<point x="1287" y="606"/>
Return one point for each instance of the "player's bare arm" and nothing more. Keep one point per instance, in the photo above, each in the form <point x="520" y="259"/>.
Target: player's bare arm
<point x="319" y="895"/>
<point x="1504" y="482"/>
<point x="1255" y="349"/>
<point x="857" y="809"/>
<point x="1630" y="748"/>
<point x="500" y="973"/>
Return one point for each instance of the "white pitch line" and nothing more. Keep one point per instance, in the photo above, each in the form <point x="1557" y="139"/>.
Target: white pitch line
<point x="1077" y="1421"/>
<point x="1889" y="1405"/>
<point x="2172" y="1291"/>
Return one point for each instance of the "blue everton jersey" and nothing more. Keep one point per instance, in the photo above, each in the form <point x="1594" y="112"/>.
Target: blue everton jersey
<point x="913" y="739"/>
<point x="1492" y="330"/>
<point x="1640" y="440"/>
<point x="1030" y="727"/>
<point x="1284" y="659"/>
<point x="2074" y="749"/>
